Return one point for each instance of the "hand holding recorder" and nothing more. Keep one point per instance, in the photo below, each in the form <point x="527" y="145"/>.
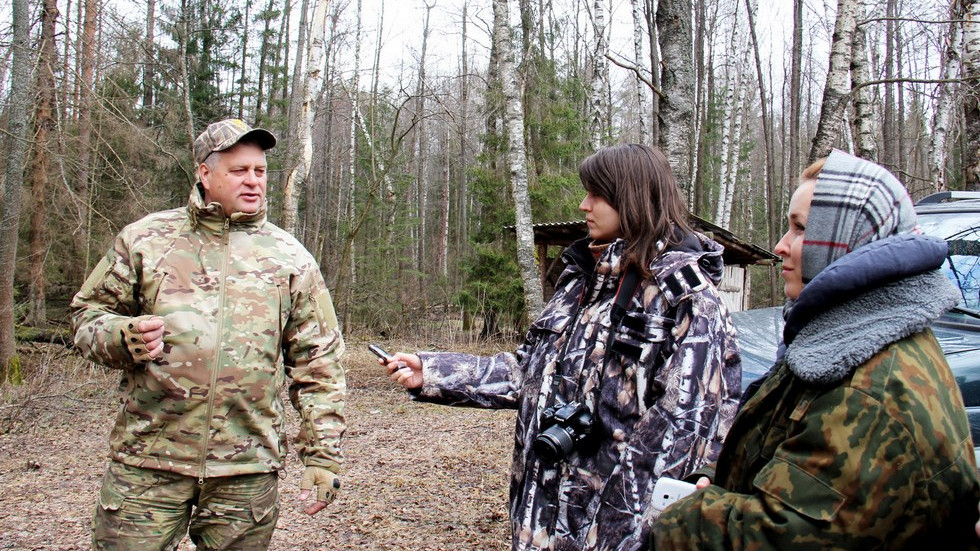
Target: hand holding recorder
<point x="404" y="369"/>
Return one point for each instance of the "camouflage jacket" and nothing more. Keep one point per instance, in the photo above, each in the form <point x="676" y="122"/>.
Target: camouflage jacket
<point x="663" y="387"/>
<point x="245" y="308"/>
<point x="876" y="455"/>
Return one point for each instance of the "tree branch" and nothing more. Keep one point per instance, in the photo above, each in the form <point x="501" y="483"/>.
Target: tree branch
<point x="639" y="75"/>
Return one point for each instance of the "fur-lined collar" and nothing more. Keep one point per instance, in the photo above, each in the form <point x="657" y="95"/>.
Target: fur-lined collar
<point x="828" y="348"/>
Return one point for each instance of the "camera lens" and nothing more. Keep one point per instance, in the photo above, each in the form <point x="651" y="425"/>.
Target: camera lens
<point x="553" y="444"/>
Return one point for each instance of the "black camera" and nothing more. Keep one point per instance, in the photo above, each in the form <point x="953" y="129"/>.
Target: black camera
<point x="563" y="427"/>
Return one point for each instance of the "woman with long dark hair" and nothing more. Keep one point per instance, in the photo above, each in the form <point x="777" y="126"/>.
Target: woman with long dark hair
<point x="630" y="373"/>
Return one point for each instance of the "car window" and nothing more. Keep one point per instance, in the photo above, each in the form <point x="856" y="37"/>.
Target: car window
<point x="962" y="231"/>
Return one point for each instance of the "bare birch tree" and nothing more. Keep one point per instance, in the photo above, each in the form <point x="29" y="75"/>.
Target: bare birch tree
<point x="947" y="93"/>
<point x="971" y="99"/>
<point x="677" y="80"/>
<point x="352" y="146"/>
<point x="517" y="159"/>
<point x="836" y="93"/>
<point x="298" y="171"/>
<point x="18" y="120"/>
<point x="863" y="110"/>
<point x="642" y="105"/>
<point x="731" y="121"/>
<point x="600" y="76"/>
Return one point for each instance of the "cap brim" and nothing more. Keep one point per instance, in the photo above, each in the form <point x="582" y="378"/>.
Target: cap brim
<point x="262" y="137"/>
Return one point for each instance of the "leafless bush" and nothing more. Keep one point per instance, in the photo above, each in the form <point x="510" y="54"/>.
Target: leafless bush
<point x="56" y="381"/>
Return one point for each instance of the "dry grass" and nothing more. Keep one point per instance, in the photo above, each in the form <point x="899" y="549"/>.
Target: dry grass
<point x="417" y="476"/>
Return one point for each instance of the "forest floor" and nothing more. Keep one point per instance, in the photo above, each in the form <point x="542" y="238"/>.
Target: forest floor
<point x="417" y="476"/>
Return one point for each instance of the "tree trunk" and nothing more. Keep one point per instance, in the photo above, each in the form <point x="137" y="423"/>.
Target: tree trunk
<point x="244" y="63"/>
<point x="517" y="160"/>
<point x="184" y="32"/>
<point x="677" y="109"/>
<point x="295" y="154"/>
<point x="971" y="93"/>
<point x="650" y="14"/>
<point x="149" y="54"/>
<point x="643" y="111"/>
<point x="18" y="120"/>
<point x="420" y="152"/>
<point x="85" y="132"/>
<point x="751" y="7"/>
<point x="44" y="127"/>
<point x="946" y="94"/>
<point x="352" y="153"/>
<point x="795" y="100"/>
<point x="889" y="155"/>
<point x="837" y="89"/>
<point x="443" y="250"/>
<point x="600" y="77"/>
<point x="729" y="113"/>
<point x="462" y="209"/>
<point x="863" y="111"/>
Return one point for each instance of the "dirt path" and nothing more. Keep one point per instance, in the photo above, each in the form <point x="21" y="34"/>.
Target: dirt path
<point x="417" y="477"/>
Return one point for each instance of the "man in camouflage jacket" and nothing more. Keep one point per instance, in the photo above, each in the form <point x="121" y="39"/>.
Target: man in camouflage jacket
<point x="207" y="311"/>
<point x="663" y="386"/>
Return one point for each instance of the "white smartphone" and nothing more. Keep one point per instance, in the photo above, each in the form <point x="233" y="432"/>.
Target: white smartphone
<point x="669" y="490"/>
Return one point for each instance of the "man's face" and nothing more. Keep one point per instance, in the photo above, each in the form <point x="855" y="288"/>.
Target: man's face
<point x="237" y="180"/>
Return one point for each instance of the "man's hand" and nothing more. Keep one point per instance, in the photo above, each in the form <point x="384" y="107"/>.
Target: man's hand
<point x="143" y="336"/>
<point x="327" y="484"/>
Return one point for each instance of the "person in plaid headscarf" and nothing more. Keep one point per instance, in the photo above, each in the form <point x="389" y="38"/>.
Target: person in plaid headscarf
<point x="857" y="438"/>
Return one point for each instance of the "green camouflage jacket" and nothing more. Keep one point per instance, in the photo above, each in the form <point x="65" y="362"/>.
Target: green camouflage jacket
<point x="245" y="308"/>
<point x="858" y="439"/>
<point x="881" y="462"/>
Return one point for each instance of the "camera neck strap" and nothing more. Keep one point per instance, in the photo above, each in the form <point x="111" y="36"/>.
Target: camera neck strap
<point x="624" y="294"/>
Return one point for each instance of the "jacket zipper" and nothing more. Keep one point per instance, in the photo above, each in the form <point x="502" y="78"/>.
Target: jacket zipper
<point x="219" y="330"/>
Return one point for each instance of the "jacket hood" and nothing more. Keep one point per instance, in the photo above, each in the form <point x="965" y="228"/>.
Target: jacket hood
<point x="864" y="301"/>
<point x="708" y="251"/>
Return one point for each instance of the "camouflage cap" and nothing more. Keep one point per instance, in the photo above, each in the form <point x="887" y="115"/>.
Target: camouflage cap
<point x="221" y="135"/>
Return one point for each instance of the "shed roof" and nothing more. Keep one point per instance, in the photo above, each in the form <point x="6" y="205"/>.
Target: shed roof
<point x="737" y="252"/>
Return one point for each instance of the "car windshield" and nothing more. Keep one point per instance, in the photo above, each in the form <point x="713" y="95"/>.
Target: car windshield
<point x="962" y="231"/>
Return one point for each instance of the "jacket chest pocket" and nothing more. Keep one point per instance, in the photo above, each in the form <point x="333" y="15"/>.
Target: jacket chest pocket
<point x="641" y="338"/>
<point x="639" y="345"/>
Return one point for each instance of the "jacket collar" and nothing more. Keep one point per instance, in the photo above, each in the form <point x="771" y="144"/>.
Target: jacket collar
<point x="862" y="302"/>
<point x="212" y="218"/>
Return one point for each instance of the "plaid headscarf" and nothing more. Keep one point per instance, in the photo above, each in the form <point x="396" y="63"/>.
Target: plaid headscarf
<point x="854" y="203"/>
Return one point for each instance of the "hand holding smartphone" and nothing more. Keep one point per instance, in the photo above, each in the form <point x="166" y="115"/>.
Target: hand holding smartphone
<point x="669" y="490"/>
<point x="379" y="352"/>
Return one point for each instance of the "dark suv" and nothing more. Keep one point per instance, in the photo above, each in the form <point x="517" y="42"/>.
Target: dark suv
<point x="954" y="216"/>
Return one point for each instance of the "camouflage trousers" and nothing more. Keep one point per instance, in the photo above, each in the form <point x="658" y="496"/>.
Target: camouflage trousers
<point x="147" y="509"/>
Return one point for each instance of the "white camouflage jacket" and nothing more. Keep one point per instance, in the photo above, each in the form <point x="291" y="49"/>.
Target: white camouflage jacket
<point x="663" y="401"/>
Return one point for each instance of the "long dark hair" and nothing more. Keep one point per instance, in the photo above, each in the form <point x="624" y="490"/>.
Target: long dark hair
<point x="636" y="180"/>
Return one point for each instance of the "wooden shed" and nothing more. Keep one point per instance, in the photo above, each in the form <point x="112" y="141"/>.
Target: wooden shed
<point x="552" y="238"/>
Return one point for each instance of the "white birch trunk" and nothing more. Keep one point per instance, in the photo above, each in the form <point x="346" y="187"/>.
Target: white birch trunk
<point x="946" y="94"/>
<point x="971" y="103"/>
<point x="517" y="160"/>
<point x="642" y="104"/>
<point x="863" y="112"/>
<point x="836" y="92"/>
<point x="729" y="115"/>
<point x="600" y="76"/>
<point x="352" y="148"/>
